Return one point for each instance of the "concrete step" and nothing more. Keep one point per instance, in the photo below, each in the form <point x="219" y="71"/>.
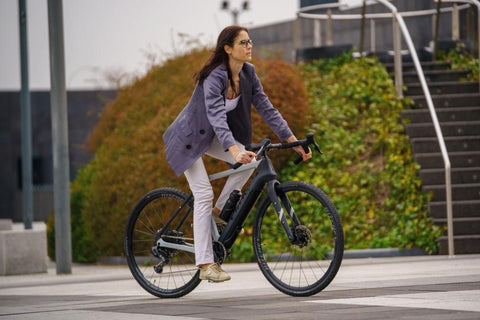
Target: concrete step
<point x="426" y="65"/>
<point x="460" y="192"/>
<point x="443" y="114"/>
<point x="457" y="159"/>
<point x="453" y="144"/>
<point x="436" y="76"/>
<point x="463" y="244"/>
<point x="458" y="175"/>
<point x="460" y="209"/>
<point x="414" y="89"/>
<point x="462" y="226"/>
<point x="449" y="129"/>
<point x="423" y="54"/>
<point x="448" y="100"/>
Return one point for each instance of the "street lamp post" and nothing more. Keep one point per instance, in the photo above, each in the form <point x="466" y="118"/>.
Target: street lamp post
<point x="235" y="11"/>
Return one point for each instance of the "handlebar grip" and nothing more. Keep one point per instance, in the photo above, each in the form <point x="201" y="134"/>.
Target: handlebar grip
<point x="298" y="160"/>
<point x="237" y="165"/>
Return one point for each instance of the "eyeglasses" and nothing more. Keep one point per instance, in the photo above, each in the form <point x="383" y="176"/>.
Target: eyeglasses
<point x="245" y="43"/>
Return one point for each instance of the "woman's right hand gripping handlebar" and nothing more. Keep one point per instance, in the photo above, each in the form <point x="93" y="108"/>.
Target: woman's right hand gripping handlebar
<point x="240" y="156"/>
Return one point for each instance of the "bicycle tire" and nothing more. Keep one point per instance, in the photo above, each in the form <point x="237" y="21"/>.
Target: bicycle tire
<point x="179" y="276"/>
<point x="312" y="266"/>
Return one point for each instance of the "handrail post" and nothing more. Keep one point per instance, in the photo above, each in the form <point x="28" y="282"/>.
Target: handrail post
<point x="362" y="28"/>
<point x="329" y="28"/>
<point x="297" y="36"/>
<point x="397" y="47"/>
<point x="437" y="25"/>
<point x="455" y="23"/>
<point x="372" y="36"/>
<point x="317" y="33"/>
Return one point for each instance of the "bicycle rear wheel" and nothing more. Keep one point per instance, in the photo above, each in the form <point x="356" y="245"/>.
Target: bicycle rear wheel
<point x="163" y="272"/>
<point x="307" y="265"/>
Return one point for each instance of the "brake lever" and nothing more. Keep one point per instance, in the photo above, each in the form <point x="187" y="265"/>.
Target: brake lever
<point x="311" y="141"/>
<point x="265" y="143"/>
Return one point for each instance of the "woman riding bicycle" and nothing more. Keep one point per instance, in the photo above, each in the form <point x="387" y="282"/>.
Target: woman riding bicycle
<point x="217" y="122"/>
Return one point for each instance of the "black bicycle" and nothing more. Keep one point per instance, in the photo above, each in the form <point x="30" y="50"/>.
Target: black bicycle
<point x="297" y="234"/>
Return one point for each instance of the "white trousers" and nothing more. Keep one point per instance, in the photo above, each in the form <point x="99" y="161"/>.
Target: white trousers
<point x="202" y="191"/>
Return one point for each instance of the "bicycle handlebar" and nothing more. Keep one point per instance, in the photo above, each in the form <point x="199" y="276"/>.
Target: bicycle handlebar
<point x="265" y="145"/>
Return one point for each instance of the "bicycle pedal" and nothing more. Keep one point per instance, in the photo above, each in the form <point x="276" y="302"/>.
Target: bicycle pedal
<point x="213" y="281"/>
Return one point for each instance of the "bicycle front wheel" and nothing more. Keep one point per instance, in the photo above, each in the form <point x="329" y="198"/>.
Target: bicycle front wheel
<point x="163" y="272"/>
<point x="308" y="264"/>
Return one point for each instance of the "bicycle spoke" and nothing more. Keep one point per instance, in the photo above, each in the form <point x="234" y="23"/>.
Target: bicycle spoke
<point x="171" y="272"/>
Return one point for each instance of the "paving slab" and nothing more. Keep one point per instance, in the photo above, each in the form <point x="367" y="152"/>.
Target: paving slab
<point x="420" y="287"/>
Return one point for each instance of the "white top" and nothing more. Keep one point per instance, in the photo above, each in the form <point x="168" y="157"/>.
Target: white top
<point x="231" y="104"/>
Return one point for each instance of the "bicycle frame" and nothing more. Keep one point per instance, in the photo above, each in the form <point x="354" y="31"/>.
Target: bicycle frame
<point x="265" y="175"/>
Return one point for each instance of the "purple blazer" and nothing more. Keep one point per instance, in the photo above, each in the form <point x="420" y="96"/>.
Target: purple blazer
<point x="204" y="117"/>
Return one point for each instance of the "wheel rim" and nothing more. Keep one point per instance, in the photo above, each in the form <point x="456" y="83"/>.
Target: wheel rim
<point x="178" y="271"/>
<point x="310" y="264"/>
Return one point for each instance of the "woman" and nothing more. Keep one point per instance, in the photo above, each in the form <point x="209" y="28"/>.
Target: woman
<point x="216" y="122"/>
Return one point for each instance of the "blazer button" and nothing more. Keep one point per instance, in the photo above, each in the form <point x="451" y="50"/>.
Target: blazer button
<point x="188" y="146"/>
<point x="202" y="131"/>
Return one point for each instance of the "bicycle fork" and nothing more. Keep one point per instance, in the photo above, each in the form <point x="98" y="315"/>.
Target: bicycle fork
<point x="274" y="194"/>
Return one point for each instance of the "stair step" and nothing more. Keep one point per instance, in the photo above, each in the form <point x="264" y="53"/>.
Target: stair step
<point x="462" y="226"/>
<point x="426" y="65"/>
<point x="465" y="191"/>
<point x="462" y="244"/>
<point x="460" y="209"/>
<point x="423" y="54"/>
<point x="457" y="107"/>
<point x="458" y="176"/>
<point x="443" y="114"/>
<point x="453" y="144"/>
<point x="442" y="88"/>
<point x="449" y="129"/>
<point x="436" y="75"/>
<point x="457" y="159"/>
<point x="449" y="100"/>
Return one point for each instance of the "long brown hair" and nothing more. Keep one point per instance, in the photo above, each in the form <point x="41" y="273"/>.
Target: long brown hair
<point x="219" y="56"/>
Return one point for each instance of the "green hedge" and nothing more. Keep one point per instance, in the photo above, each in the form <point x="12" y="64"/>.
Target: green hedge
<point x="461" y="59"/>
<point x="367" y="168"/>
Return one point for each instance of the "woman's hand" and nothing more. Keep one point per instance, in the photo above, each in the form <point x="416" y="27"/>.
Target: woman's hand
<point x="241" y="156"/>
<point x="244" y="157"/>
<point x="299" y="149"/>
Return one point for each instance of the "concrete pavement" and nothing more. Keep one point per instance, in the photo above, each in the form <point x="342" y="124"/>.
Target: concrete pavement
<point x="421" y="287"/>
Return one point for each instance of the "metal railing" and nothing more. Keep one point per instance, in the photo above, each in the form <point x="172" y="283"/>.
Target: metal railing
<point x="399" y="28"/>
<point x="329" y="17"/>
<point x="455" y="7"/>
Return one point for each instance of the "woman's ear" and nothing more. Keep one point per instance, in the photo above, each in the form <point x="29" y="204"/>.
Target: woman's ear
<point x="227" y="49"/>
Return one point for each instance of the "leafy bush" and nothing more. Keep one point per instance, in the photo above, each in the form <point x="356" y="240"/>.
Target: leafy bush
<point x="83" y="244"/>
<point x="367" y="168"/>
<point x="129" y="152"/>
<point x="461" y="59"/>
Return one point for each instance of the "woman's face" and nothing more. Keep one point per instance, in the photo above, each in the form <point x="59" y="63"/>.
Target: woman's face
<point x="242" y="48"/>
